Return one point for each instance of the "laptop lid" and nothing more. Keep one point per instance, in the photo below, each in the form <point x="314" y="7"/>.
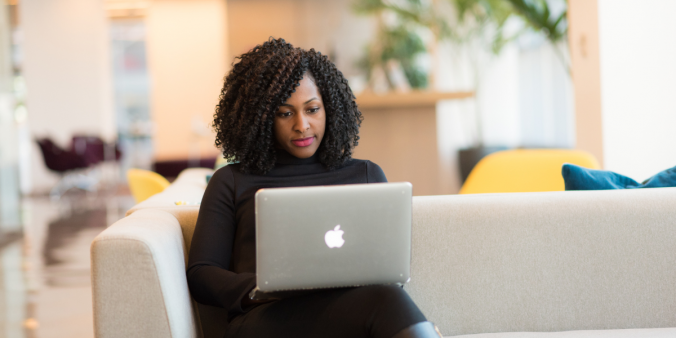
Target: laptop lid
<point x="333" y="236"/>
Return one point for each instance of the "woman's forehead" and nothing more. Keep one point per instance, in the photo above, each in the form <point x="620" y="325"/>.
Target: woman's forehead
<point x="306" y="92"/>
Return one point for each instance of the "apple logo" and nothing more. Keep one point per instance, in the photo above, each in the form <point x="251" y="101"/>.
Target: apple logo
<point x="334" y="238"/>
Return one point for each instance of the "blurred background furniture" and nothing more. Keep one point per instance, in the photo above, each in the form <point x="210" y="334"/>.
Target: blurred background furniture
<point x="481" y="264"/>
<point x="400" y="133"/>
<point x="172" y="168"/>
<point x="58" y="159"/>
<point x="68" y="164"/>
<point x="145" y="183"/>
<point x="94" y="149"/>
<point x="524" y="170"/>
<point x="469" y="157"/>
<point x="77" y="164"/>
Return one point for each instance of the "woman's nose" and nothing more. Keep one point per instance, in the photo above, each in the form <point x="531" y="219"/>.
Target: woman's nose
<point x="301" y="123"/>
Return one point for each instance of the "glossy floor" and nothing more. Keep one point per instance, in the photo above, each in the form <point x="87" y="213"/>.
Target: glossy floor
<point x="45" y="289"/>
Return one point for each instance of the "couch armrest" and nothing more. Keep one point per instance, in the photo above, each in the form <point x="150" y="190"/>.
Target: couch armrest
<point x="138" y="279"/>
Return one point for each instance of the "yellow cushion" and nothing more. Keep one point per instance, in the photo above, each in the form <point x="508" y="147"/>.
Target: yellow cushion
<point x="524" y="170"/>
<point x="145" y="183"/>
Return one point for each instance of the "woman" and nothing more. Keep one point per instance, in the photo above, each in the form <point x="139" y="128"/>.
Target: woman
<point x="288" y="118"/>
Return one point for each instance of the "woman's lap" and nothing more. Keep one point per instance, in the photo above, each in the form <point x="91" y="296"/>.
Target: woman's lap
<point x="370" y="311"/>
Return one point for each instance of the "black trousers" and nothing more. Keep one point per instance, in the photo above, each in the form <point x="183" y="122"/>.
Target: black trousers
<point x="369" y="311"/>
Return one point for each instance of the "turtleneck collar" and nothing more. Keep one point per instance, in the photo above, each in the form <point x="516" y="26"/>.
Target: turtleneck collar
<point x="283" y="157"/>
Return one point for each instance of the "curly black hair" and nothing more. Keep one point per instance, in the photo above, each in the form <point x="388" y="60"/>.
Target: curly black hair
<point x="259" y="83"/>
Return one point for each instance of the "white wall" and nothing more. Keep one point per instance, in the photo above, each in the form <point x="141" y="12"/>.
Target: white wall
<point x="498" y="97"/>
<point x="637" y="41"/>
<point x="546" y="97"/>
<point x="67" y="72"/>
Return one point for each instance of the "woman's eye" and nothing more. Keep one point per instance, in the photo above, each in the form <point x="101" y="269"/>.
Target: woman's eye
<point x="313" y="110"/>
<point x="284" y="114"/>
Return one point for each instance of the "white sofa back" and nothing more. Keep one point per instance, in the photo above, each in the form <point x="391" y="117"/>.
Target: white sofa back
<point x="558" y="261"/>
<point x="481" y="263"/>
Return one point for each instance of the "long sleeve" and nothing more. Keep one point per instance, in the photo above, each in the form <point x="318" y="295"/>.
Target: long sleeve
<point x="209" y="277"/>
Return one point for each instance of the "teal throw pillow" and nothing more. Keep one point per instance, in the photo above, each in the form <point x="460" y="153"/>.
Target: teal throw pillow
<point x="580" y="178"/>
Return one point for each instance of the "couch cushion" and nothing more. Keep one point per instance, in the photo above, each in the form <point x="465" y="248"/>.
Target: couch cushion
<point x="629" y="333"/>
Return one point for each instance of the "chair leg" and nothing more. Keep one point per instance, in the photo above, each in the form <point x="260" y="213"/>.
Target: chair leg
<point x="60" y="188"/>
<point x="86" y="180"/>
<point x="89" y="180"/>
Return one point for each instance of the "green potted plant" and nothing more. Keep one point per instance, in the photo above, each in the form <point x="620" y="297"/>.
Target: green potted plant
<point x="398" y="41"/>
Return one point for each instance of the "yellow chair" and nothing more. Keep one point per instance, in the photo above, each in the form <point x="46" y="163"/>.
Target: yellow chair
<point x="145" y="183"/>
<point x="524" y="170"/>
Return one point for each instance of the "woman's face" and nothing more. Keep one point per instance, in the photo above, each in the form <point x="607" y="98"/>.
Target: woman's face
<point x="300" y="121"/>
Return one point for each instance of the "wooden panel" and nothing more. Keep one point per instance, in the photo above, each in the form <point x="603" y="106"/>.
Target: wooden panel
<point x="403" y="142"/>
<point x="584" y="49"/>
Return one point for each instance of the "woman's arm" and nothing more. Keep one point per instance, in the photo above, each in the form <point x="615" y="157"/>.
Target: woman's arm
<point x="209" y="278"/>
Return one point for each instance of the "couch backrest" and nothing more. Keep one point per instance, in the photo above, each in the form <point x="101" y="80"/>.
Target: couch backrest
<point x="545" y="261"/>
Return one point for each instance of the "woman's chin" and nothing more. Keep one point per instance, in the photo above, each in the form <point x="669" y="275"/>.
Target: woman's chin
<point x="302" y="152"/>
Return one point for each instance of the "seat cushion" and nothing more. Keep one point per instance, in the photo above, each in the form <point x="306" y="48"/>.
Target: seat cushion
<point x="628" y="333"/>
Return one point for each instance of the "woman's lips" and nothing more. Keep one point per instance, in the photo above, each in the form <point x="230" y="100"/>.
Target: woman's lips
<point x="303" y="142"/>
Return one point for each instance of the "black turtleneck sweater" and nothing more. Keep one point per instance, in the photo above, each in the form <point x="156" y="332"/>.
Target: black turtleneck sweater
<point x="222" y="261"/>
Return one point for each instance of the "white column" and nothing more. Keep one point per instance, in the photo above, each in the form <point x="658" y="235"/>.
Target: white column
<point x="9" y="187"/>
<point x="67" y="71"/>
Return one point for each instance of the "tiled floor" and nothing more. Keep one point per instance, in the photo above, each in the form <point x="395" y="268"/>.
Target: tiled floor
<point x="45" y="290"/>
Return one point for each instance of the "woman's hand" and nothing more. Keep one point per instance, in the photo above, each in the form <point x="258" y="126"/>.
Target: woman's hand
<point x="248" y="302"/>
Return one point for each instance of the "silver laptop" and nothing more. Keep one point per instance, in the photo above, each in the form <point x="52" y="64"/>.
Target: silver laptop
<point x="332" y="236"/>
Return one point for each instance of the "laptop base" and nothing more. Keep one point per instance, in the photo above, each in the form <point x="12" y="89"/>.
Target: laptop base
<point x="257" y="294"/>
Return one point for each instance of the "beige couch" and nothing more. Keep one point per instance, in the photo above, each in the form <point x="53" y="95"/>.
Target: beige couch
<point x="550" y="265"/>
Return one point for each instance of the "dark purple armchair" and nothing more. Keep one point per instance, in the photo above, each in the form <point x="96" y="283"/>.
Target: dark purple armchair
<point x="76" y="165"/>
<point x="60" y="160"/>
<point x="93" y="149"/>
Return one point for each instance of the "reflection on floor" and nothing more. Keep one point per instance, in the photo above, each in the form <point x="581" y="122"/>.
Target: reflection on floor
<point x="45" y="289"/>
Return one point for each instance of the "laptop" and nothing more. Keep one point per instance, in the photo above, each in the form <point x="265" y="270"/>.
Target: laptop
<point x="332" y="236"/>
